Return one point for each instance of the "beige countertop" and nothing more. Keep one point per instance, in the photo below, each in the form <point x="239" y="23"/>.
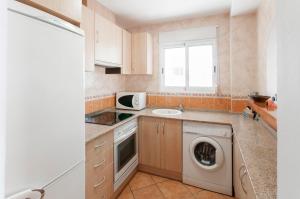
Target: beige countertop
<point x="257" y="143"/>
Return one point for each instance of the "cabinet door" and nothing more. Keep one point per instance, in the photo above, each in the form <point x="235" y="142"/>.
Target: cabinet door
<point x="117" y="49"/>
<point x="241" y="181"/>
<point x="141" y="53"/>
<point x="237" y="169"/>
<point x="69" y="10"/>
<point x="87" y="24"/>
<point x="126" y="67"/>
<point x="103" y="45"/>
<point x="149" y="142"/>
<point x="108" y="42"/>
<point x="171" y="145"/>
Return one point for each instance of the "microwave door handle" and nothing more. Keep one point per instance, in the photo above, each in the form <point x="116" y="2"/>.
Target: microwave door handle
<point x="133" y="99"/>
<point x="127" y="135"/>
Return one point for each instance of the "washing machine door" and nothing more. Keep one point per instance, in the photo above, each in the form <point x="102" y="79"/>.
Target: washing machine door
<point x="207" y="153"/>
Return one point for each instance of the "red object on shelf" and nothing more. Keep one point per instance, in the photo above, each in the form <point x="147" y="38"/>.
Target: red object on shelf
<point x="271" y="105"/>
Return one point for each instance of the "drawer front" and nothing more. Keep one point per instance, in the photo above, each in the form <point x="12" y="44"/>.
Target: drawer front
<point x="99" y="185"/>
<point x="100" y="161"/>
<point x="98" y="146"/>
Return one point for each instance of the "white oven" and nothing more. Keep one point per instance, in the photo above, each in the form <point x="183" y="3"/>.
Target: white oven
<point x="125" y="151"/>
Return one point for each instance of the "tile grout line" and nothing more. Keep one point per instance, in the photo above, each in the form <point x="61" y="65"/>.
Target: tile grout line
<point x="131" y="189"/>
<point x="163" y="195"/>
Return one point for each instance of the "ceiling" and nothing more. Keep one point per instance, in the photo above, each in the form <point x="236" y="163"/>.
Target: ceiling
<point x="137" y="12"/>
<point x="243" y="6"/>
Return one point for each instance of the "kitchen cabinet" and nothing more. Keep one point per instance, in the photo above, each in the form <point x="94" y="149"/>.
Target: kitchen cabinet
<point x="160" y="146"/>
<point x="241" y="181"/>
<point x="149" y="142"/>
<point x="142" y="53"/>
<point x="99" y="167"/>
<point x="171" y="145"/>
<point x="87" y="24"/>
<point x="108" y="43"/>
<point x="69" y="10"/>
<point x="126" y="67"/>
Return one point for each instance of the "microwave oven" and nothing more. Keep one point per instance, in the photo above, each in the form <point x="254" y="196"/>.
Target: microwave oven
<point x="131" y="100"/>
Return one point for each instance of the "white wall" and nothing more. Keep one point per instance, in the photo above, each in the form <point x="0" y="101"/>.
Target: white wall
<point x="2" y="92"/>
<point x="271" y="62"/>
<point x="288" y="22"/>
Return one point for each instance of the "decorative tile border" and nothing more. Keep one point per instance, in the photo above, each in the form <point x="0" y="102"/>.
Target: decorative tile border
<point x="187" y="94"/>
<point x="98" y="97"/>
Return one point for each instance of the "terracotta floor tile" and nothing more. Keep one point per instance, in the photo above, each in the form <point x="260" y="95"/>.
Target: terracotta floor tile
<point x="126" y="194"/>
<point x="174" y="190"/>
<point x="209" y="195"/>
<point x="140" y="180"/>
<point x="158" y="179"/>
<point x="149" y="192"/>
<point x="193" y="190"/>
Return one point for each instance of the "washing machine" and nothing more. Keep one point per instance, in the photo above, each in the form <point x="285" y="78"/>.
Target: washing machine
<point x="207" y="156"/>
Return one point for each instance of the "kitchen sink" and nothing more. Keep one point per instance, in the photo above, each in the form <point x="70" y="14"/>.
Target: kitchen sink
<point x="166" y="112"/>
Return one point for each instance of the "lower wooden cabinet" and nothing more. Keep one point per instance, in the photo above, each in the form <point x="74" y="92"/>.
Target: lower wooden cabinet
<point x="160" y="146"/>
<point x="241" y="181"/>
<point x="99" y="167"/>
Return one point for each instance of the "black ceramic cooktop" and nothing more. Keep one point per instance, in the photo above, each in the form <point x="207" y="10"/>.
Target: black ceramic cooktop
<point x="107" y="118"/>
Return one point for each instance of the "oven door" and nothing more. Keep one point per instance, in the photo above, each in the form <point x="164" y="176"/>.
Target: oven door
<point x="125" y="153"/>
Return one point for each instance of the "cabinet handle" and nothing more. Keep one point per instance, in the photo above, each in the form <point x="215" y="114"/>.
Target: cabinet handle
<point x="163" y="128"/>
<point x="100" y="183"/>
<point x="157" y="128"/>
<point x="100" y="145"/>
<point x="242" y="183"/>
<point x="242" y="166"/>
<point x="99" y="164"/>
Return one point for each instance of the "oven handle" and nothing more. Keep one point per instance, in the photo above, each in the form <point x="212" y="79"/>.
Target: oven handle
<point x="124" y="137"/>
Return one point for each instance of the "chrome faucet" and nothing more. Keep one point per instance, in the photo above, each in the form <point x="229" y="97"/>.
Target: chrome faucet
<point x="181" y="108"/>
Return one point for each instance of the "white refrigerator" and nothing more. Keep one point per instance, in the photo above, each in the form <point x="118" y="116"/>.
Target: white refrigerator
<point x="45" y="140"/>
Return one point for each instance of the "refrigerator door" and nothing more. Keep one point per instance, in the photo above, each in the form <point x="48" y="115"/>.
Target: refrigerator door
<point x="69" y="185"/>
<point x="45" y="99"/>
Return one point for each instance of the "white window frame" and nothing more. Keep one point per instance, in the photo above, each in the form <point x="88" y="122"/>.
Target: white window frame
<point x="187" y="88"/>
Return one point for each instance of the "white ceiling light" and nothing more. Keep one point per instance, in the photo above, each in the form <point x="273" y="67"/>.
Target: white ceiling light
<point x="135" y="12"/>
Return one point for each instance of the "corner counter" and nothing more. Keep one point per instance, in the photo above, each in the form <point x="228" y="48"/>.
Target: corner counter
<point x="257" y="143"/>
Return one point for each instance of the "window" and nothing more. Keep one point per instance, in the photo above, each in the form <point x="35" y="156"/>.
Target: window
<point x="189" y="66"/>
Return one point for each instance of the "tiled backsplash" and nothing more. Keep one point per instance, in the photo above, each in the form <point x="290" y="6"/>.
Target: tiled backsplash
<point x="193" y="102"/>
<point x="99" y="103"/>
<point x="198" y="102"/>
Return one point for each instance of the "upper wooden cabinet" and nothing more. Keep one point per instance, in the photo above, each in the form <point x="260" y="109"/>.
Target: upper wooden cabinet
<point x="69" y="10"/>
<point x="87" y="24"/>
<point x="126" y="68"/>
<point x="108" y="43"/>
<point x="142" y="53"/>
<point x="160" y="146"/>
